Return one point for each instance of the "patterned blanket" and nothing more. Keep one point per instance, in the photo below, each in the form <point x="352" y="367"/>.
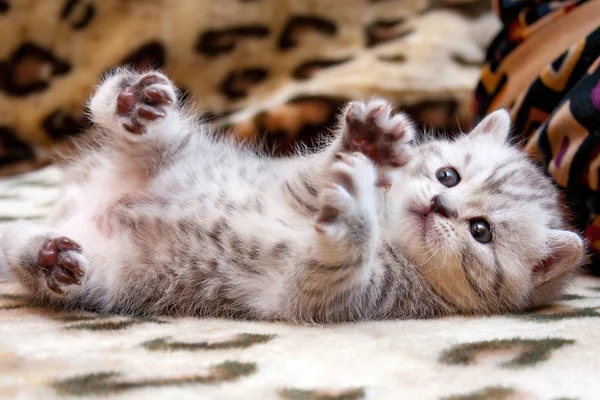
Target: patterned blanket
<point x="550" y="353"/>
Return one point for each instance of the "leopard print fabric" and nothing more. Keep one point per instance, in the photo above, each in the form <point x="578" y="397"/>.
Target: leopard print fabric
<point x="272" y="71"/>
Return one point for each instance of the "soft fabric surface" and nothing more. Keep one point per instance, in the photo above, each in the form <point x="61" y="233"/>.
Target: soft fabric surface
<point x="277" y="70"/>
<point x="46" y="354"/>
<point x="544" y="66"/>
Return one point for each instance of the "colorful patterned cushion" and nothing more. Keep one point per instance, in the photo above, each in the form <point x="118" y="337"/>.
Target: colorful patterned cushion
<point x="545" y="66"/>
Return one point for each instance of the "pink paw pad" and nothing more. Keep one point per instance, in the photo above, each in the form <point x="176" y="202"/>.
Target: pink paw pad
<point x="374" y="132"/>
<point x="145" y="100"/>
<point x="55" y="258"/>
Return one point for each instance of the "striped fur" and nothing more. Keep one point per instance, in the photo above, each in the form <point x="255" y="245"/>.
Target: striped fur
<point x="175" y="221"/>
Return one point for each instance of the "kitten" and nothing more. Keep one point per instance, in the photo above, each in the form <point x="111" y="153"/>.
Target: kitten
<point x="163" y="217"/>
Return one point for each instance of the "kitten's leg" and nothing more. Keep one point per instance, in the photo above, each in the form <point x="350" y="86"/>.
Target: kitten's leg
<point x="338" y="263"/>
<point x="347" y="220"/>
<point x="342" y="182"/>
<point x="51" y="265"/>
<point x="141" y="115"/>
<point x="370" y="144"/>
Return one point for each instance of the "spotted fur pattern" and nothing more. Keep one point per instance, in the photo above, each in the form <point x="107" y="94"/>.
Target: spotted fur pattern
<point x="163" y="217"/>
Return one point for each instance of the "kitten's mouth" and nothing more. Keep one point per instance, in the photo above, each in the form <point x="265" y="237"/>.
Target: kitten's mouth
<point x="431" y="227"/>
<point x="422" y="215"/>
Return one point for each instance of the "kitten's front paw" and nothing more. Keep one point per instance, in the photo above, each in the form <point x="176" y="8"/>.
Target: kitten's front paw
<point x="372" y="130"/>
<point x="348" y="195"/>
<point x="144" y="101"/>
<point x="61" y="264"/>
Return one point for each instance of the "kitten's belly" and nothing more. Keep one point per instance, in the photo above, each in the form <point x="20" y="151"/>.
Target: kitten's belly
<point x="84" y="206"/>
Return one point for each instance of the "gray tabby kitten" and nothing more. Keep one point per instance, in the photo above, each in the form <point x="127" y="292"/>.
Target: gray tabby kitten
<point x="163" y="217"/>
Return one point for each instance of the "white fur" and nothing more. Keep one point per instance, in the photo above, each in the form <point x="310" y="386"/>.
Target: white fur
<point x="175" y="220"/>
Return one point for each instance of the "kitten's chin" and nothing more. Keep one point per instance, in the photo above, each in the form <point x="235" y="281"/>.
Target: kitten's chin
<point x="410" y="235"/>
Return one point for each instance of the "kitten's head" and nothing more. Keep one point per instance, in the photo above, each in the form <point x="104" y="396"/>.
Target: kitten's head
<point x="484" y="224"/>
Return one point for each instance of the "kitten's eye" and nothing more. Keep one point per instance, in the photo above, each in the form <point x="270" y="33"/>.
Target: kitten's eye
<point x="480" y="230"/>
<point x="448" y="176"/>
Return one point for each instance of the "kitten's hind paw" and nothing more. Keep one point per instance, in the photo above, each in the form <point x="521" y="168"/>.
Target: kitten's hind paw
<point x="370" y="128"/>
<point x="61" y="264"/>
<point x="144" y="101"/>
<point x="130" y="102"/>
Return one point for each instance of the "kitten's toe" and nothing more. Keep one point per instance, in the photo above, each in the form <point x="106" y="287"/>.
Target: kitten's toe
<point x="335" y="200"/>
<point x="61" y="264"/>
<point x="353" y="172"/>
<point x="370" y="128"/>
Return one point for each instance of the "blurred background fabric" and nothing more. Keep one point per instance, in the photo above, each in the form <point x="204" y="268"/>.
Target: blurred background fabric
<point x="269" y="71"/>
<point x="544" y="65"/>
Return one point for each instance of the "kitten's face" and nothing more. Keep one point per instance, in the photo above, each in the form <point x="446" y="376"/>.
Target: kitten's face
<point x="483" y="224"/>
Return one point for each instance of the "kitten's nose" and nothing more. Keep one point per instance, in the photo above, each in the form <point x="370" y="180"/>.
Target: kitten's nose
<point x="441" y="205"/>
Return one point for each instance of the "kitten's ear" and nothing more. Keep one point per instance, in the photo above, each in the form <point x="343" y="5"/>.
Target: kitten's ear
<point x="496" y="125"/>
<point x="567" y="251"/>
